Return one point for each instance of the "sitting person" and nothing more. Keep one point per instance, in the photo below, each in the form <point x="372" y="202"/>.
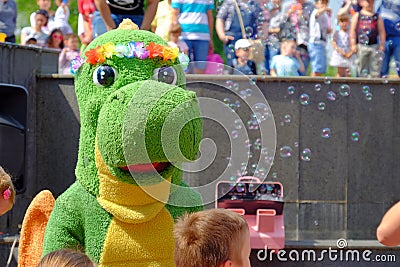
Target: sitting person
<point x="7" y="197"/>
<point x="289" y="62"/>
<point x="212" y="238"/>
<point x="69" y="52"/>
<point x="241" y="64"/>
<point x="66" y="258"/>
<point x="41" y="17"/>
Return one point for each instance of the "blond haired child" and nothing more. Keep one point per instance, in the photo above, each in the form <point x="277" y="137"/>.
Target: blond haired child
<point x="289" y="62"/>
<point x="212" y="238"/>
<point x="7" y="191"/>
<point x="174" y="35"/>
<point x="341" y="45"/>
<point x="66" y="258"/>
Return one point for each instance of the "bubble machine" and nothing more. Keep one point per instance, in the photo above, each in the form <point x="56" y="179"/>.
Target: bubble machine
<point x="261" y="204"/>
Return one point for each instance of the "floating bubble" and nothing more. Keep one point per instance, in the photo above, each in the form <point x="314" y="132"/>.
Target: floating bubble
<point x="305" y="99"/>
<point x="231" y="48"/>
<point x="286" y="151"/>
<point x="326" y="133"/>
<point x="327" y="80"/>
<point x="249" y="31"/>
<point x="229" y="84"/>
<point x="355" y="136"/>
<point x="238" y="124"/>
<point x="274" y="175"/>
<point x="257" y="143"/>
<point x="321" y="106"/>
<point x="331" y="96"/>
<point x="291" y="90"/>
<point x="261" y="112"/>
<point x="365" y="89"/>
<point x="305" y="154"/>
<point x="397" y="26"/>
<point x="248" y="92"/>
<point x="287" y="118"/>
<point x="364" y="73"/>
<point x="243" y="94"/>
<point x="344" y="90"/>
<point x="232" y="178"/>
<point x="392" y="91"/>
<point x="363" y="38"/>
<point x="264" y="151"/>
<point x="237" y="103"/>
<point x="235" y="134"/>
<point x="252" y="124"/>
<point x="368" y="96"/>
<point x="316" y="223"/>
<point x="296" y="144"/>
<point x="235" y="86"/>
<point x="253" y="81"/>
<point x="227" y="100"/>
<point x="317" y="87"/>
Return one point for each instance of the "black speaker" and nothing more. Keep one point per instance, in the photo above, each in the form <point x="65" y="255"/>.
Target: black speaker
<point x="13" y="113"/>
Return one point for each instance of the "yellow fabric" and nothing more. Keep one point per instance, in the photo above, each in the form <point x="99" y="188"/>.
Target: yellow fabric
<point x="33" y="229"/>
<point x="163" y="19"/>
<point x="140" y="233"/>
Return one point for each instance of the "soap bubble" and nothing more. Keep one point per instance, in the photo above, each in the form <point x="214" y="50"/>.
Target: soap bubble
<point x="344" y="90"/>
<point x="253" y="81"/>
<point x="364" y="73"/>
<point x="238" y="124"/>
<point x="392" y="91"/>
<point x="274" y="175"/>
<point x="397" y="26"/>
<point x="327" y="80"/>
<point x="305" y="154"/>
<point x="235" y="86"/>
<point x="248" y="92"/>
<point x="235" y="134"/>
<point x="304" y="99"/>
<point x="231" y="48"/>
<point x="291" y="90"/>
<point x="365" y="89"/>
<point x="286" y="151"/>
<point x="331" y="96"/>
<point x="321" y="106"/>
<point x="261" y="111"/>
<point x="229" y="84"/>
<point x="296" y="144"/>
<point x="249" y="31"/>
<point x="363" y="38"/>
<point x="355" y="136"/>
<point x="326" y="133"/>
<point x="317" y="87"/>
<point x="287" y="118"/>
<point x="368" y="96"/>
<point x="227" y="100"/>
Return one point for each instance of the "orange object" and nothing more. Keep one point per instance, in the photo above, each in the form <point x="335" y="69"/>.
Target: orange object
<point x="3" y="37"/>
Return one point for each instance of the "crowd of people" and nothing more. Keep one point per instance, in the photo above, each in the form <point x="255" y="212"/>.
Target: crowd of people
<point x="273" y="37"/>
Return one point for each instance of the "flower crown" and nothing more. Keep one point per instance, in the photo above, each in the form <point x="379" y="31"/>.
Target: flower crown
<point x="131" y="50"/>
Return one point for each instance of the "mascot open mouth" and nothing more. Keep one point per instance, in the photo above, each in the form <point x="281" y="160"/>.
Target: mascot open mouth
<point x="145" y="168"/>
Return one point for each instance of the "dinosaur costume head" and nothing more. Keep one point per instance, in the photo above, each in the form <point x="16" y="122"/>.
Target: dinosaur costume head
<point x="138" y="124"/>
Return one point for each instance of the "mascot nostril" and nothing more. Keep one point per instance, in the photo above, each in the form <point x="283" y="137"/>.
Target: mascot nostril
<point x="127" y="91"/>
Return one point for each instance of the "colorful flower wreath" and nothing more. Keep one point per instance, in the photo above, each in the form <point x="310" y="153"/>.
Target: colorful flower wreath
<point x="131" y="50"/>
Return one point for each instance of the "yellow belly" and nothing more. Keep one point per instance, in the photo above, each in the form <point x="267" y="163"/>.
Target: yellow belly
<point x="145" y="244"/>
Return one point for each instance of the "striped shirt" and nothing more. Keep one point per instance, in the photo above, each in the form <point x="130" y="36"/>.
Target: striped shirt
<point x="193" y="18"/>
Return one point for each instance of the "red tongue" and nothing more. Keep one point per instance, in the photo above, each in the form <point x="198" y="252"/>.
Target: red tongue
<point x="159" y="166"/>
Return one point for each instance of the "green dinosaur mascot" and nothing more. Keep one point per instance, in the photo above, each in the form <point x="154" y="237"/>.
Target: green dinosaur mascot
<point x="137" y="127"/>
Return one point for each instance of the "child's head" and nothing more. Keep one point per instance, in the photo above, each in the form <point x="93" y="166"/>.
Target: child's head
<point x="367" y="4"/>
<point x="60" y="2"/>
<point x="31" y="41"/>
<point x="175" y="32"/>
<point x="343" y="21"/>
<point x="66" y="258"/>
<point x="44" y="4"/>
<point x="71" y="41"/>
<point x="55" y="39"/>
<point x="41" y="17"/>
<point x="288" y="47"/>
<point x="321" y="3"/>
<point x="7" y="191"/>
<point x="242" y="48"/>
<point x="212" y="238"/>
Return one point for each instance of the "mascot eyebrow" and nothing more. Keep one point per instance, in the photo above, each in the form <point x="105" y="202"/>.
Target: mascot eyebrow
<point x="138" y="50"/>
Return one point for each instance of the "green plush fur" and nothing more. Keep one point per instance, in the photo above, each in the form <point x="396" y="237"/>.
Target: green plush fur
<point x="134" y="108"/>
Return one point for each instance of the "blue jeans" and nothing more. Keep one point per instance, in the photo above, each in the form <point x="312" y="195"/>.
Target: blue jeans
<point x="198" y="52"/>
<point x="392" y="49"/>
<point x="99" y="27"/>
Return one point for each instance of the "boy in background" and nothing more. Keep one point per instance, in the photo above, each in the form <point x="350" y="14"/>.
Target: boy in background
<point x="212" y="238"/>
<point x="289" y="62"/>
<point x="365" y="42"/>
<point x="242" y="64"/>
<point x="319" y="30"/>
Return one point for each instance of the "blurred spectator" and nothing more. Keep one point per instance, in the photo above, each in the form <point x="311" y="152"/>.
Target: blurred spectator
<point x="45" y="5"/>
<point x="320" y="27"/>
<point x="161" y="23"/>
<point x="61" y="17"/>
<point x="341" y="47"/>
<point x="274" y="27"/>
<point x="31" y="42"/>
<point x="174" y="35"/>
<point x="390" y="13"/>
<point x="349" y="7"/>
<point x="86" y="9"/>
<point x="55" y="40"/>
<point x="366" y="28"/>
<point x="69" y="52"/>
<point x="197" y="24"/>
<point x="41" y="17"/>
<point x="8" y="19"/>
<point x="241" y="64"/>
<point x="110" y="14"/>
<point x="228" y="25"/>
<point x="298" y="19"/>
<point x="288" y="63"/>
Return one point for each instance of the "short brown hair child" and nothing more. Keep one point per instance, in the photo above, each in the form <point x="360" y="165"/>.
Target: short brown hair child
<point x="66" y="258"/>
<point x="343" y="17"/>
<point x="212" y="238"/>
<point x="176" y="28"/>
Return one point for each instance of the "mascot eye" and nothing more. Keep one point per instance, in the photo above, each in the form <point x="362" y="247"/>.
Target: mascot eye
<point x="166" y="74"/>
<point x="104" y="75"/>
